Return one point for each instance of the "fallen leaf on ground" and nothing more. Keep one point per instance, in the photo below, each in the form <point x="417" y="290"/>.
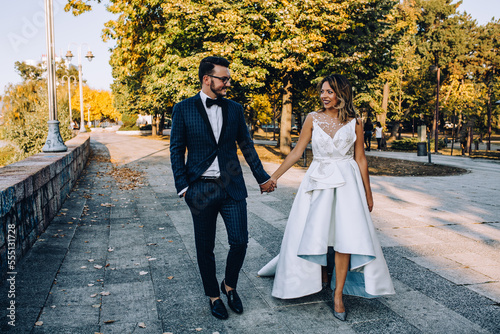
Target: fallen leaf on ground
<point x="90" y="284"/>
<point x="109" y="321"/>
<point x="98" y="266"/>
<point x="170" y="277"/>
<point x="83" y="267"/>
<point x="142" y="325"/>
<point x="143" y="273"/>
<point x="152" y="259"/>
<point x="93" y="295"/>
<point x="38" y="323"/>
<point x="105" y="293"/>
<point x="91" y="260"/>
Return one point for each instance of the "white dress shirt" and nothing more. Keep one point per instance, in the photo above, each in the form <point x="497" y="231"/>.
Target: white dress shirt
<point x="214" y="114"/>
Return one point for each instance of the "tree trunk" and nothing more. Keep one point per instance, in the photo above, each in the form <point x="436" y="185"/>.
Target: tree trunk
<point x="385" y="102"/>
<point x="488" y="143"/>
<point x="395" y="130"/>
<point x="469" y="140"/>
<point x="162" y="123"/>
<point x="286" y="119"/>
<point x="154" y="126"/>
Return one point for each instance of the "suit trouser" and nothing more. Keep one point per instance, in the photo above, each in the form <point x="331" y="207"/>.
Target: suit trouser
<point x="206" y="199"/>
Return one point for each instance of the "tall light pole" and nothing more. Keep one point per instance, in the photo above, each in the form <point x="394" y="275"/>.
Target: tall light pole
<point x="69" y="99"/>
<point x="436" y="113"/>
<point x="54" y="142"/>
<point x="89" y="56"/>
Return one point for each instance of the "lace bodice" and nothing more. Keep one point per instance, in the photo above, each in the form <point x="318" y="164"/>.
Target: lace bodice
<point x="332" y="139"/>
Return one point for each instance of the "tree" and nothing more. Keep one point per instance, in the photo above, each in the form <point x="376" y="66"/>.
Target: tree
<point x="285" y="44"/>
<point x="25" y="113"/>
<point x="487" y="59"/>
<point x="29" y="72"/>
<point x="36" y="72"/>
<point x="397" y="98"/>
<point x="98" y="102"/>
<point x="440" y="40"/>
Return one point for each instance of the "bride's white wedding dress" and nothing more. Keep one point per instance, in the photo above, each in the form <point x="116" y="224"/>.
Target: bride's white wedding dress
<point x="330" y="209"/>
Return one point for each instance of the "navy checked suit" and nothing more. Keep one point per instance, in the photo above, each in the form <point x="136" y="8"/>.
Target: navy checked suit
<point x="191" y="131"/>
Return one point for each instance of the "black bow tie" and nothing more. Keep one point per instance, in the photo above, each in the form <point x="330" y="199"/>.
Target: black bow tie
<point x="211" y="102"/>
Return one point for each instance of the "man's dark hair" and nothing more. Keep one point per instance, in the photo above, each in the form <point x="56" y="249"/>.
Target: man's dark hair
<point x="207" y="65"/>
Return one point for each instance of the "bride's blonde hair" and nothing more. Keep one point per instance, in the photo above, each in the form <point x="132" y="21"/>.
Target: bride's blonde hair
<point x="343" y="90"/>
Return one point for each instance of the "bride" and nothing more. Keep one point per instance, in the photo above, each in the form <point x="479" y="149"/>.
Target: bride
<point x="332" y="209"/>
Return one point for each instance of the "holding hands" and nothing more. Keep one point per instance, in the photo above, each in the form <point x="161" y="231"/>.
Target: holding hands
<point x="269" y="186"/>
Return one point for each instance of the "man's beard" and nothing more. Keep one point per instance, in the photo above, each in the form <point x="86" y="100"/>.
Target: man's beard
<point x="217" y="92"/>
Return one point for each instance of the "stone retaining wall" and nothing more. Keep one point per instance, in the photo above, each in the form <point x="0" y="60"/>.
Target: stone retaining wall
<point x="32" y="192"/>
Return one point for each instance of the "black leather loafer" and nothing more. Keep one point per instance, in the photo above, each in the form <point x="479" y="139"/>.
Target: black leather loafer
<point x="218" y="309"/>
<point x="233" y="300"/>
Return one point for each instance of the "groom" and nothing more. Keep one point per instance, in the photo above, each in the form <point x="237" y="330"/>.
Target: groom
<point x="211" y="179"/>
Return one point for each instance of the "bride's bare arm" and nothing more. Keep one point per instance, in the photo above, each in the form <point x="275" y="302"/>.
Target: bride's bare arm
<point x="359" y="156"/>
<point x="296" y="153"/>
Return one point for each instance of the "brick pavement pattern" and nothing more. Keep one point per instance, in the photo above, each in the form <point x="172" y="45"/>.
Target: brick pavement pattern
<point x="121" y="259"/>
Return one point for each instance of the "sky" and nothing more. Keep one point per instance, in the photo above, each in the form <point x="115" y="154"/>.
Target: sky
<point x="22" y="36"/>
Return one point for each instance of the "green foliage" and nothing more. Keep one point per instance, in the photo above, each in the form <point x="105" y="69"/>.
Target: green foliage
<point x="129" y="120"/>
<point x="160" y="44"/>
<point x="7" y="154"/>
<point x="26" y="115"/>
<point x="78" y="7"/>
<point x="146" y="127"/>
<point x="405" y="144"/>
<point x="29" y="72"/>
<point x="129" y="128"/>
<point x="410" y="144"/>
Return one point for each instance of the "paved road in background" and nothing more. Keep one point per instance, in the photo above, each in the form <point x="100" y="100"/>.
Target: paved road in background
<point x="120" y="259"/>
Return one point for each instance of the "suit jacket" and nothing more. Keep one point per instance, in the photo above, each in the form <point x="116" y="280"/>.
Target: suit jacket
<point x="191" y="131"/>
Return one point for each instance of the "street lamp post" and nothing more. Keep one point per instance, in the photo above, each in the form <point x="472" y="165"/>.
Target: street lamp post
<point x="69" y="99"/>
<point x="89" y="56"/>
<point x="436" y="113"/>
<point x="54" y="142"/>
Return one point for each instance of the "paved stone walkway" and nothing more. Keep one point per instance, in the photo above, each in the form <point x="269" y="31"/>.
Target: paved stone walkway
<point x="120" y="259"/>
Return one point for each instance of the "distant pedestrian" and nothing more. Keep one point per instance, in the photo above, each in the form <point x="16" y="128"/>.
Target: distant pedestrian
<point x="379" y="135"/>
<point x="368" y="130"/>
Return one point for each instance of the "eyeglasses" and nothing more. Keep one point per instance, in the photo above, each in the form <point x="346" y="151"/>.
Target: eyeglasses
<point x="224" y="80"/>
